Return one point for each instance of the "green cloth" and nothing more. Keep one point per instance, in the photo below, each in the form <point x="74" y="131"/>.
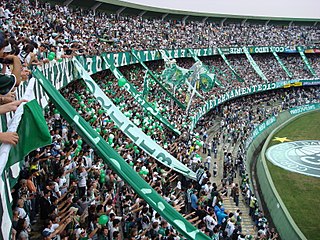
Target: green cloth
<point x="7" y="83"/>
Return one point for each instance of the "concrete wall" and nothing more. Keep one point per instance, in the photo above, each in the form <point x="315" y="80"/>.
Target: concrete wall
<point x="282" y="219"/>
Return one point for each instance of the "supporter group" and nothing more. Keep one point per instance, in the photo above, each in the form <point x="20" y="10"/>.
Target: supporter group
<point x="66" y="191"/>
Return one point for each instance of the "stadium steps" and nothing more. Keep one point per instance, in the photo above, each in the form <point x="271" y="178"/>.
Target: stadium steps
<point x="247" y="223"/>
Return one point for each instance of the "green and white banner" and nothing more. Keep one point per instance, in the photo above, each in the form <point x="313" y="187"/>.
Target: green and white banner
<point x="270" y="121"/>
<point x="29" y="123"/>
<point x="206" y="79"/>
<point x="139" y="98"/>
<point x="304" y="108"/>
<point x="239" y="92"/>
<point x="234" y="93"/>
<point x="157" y="81"/>
<point x="254" y="64"/>
<point x="118" y="164"/>
<point x="289" y="74"/>
<point x="164" y="54"/>
<point x="229" y="65"/>
<point x="305" y="60"/>
<point x="130" y="129"/>
<point x="255" y="49"/>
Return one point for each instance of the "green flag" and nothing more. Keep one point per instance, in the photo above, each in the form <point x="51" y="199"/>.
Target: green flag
<point x="207" y="81"/>
<point x="230" y="66"/>
<point x="174" y="75"/>
<point x="254" y="64"/>
<point x="118" y="164"/>
<point x="305" y="60"/>
<point x="154" y="77"/>
<point x="280" y="62"/>
<point x="33" y="133"/>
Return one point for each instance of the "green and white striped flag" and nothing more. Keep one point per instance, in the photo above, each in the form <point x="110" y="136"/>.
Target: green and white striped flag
<point x="305" y="60"/>
<point x="230" y="66"/>
<point x="254" y="64"/>
<point x="145" y="85"/>
<point x="118" y="164"/>
<point x="280" y="62"/>
<point x="29" y="123"/>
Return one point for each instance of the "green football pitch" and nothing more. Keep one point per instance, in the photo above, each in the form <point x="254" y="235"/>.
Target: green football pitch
<point x="300" y="193"/>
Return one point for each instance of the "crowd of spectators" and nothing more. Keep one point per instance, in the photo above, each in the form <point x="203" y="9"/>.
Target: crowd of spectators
<point x="39" y="28"/>
<point x="65" y="188"/>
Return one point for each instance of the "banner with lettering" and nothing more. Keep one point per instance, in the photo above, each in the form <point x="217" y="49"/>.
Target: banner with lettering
<point x="133" y="52"/>
<point x="118" y="164"/>
<point x="138" y="97"/>
<point x="289" y="74"/>
<point x="305" y="60"/>
<point x="130" y="129"/>
<point x="237" y="92"/>
<point x="229" y="65"/>
<point x="304" y="108"/>
<point x="254" y="64"/>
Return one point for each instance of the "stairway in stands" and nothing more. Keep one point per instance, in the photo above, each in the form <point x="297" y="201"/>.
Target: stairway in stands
<point x="247" y="223"/>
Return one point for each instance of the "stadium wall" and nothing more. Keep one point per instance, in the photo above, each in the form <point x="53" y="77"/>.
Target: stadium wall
<point x="282" y="219"/>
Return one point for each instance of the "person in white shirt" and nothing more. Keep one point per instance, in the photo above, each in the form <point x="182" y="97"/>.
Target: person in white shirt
<point x="210" y="221"/>
<point x="208" y="161"/>
<point x="230" y="227"/>
<point x="21" y="212"/>
<point x="82" y="184"/>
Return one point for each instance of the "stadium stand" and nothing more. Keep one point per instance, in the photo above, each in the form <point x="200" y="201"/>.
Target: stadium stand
<point x="66" y="191"/>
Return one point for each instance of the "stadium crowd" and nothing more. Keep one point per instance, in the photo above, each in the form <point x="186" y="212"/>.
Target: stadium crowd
<point x="38" y="27"/>
<point x="65" y="188"/>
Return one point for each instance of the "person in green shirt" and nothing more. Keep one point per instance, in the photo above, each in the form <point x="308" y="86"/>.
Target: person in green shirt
<point x="103" y="234"/>
<point x="163" y="228"/>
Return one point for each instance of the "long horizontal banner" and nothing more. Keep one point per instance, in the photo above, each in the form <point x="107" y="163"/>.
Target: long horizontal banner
<point x="304" y="108"/>
<point x="238" y="92"/>
<point x="118" y="164"/>
<point x="270" y="121"/>
<point x="130" y="129"/>
<point x="60" y="74"/>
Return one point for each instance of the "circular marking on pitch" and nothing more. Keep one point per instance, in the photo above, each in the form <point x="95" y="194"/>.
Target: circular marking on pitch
<point x="299" y="156"/>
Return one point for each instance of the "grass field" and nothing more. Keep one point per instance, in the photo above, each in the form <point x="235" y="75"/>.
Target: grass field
<point x="300" y="193"/>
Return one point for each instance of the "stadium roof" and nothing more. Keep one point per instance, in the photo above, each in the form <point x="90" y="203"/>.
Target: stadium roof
<point x="130" y="8"/>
